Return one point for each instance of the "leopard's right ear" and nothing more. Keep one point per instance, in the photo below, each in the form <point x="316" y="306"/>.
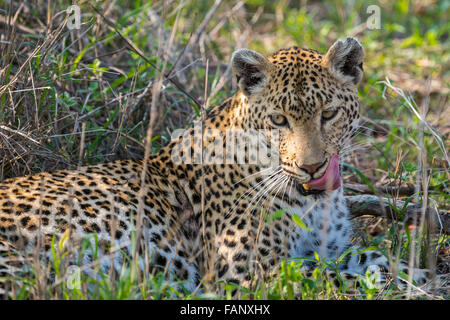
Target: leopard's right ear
<point x="251" y="69"/>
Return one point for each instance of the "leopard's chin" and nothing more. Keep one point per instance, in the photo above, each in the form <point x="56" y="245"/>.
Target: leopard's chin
<point x="302" y="187"/>
<point x="306" y="191"/>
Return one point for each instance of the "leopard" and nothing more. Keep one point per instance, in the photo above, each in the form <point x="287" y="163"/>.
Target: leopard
<point x="208" y="209"/>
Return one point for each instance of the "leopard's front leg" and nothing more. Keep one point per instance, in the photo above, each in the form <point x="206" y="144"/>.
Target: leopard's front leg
<point x="371" y="204"/>
<point x="359" y="262"/>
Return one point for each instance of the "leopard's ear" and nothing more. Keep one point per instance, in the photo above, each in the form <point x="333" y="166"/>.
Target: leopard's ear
<point x="344" y="60"/>
<point x="251" y="69"/>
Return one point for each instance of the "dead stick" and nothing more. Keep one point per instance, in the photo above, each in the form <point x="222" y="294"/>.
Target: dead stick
<point x="391" y="190"/>
<point x="370" y="205"/>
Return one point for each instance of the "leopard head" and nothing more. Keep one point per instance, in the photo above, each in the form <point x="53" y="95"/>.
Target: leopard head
<point x="311" y="99"/>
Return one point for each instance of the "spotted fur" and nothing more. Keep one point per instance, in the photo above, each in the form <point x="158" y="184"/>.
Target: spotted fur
<point x="218" y="232"/>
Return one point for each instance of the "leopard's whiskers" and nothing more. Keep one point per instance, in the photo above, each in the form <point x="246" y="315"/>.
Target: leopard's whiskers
<point x="253" y="188"/>
<point x="251" y="175"/>
<point x="286" y="178"/>
<point x="288" y="183"/>
<point x="265" y="191"/>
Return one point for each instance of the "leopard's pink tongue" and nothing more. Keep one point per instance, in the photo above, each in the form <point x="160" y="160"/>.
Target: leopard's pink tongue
<point x="331" y="180"/>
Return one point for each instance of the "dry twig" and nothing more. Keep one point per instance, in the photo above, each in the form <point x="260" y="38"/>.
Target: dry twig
<point x="370" y="205"/>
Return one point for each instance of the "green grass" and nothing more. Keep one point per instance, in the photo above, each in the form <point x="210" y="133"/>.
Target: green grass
<point x="90" y="79"/>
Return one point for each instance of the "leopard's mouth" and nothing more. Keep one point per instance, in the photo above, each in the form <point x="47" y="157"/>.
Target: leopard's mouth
<point x="330" y="179"/>
<point x="305" y="190"/>
<point x="301" y="185"/>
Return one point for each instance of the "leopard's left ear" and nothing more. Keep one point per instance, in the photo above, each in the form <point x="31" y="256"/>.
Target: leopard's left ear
<point x="251" y="69"/>
<point x="344" y="60"/>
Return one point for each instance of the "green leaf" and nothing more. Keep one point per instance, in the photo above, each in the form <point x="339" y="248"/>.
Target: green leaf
<point x="316" y="273"/>
<point x="299" y="222"/>
<point x="362" y="176"/>
<point x="275" y="216"/>
<point x="78" y="58"/>
<point x="344" y="254"/>
<point x="316" y="255"/>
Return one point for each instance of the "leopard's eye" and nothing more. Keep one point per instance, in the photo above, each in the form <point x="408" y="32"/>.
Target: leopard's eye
<point x="279" y="120"/>
<point x="328" y="114"/>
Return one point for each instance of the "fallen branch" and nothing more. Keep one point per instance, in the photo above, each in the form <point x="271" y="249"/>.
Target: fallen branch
<point x="362" y="205"/>
<point x="390" y="190"/>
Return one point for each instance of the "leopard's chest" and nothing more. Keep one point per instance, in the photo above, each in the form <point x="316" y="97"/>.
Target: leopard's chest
<point x="320" y="226"/>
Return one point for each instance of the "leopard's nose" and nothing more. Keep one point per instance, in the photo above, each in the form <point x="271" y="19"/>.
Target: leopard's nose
<point x="312" y="168"/>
